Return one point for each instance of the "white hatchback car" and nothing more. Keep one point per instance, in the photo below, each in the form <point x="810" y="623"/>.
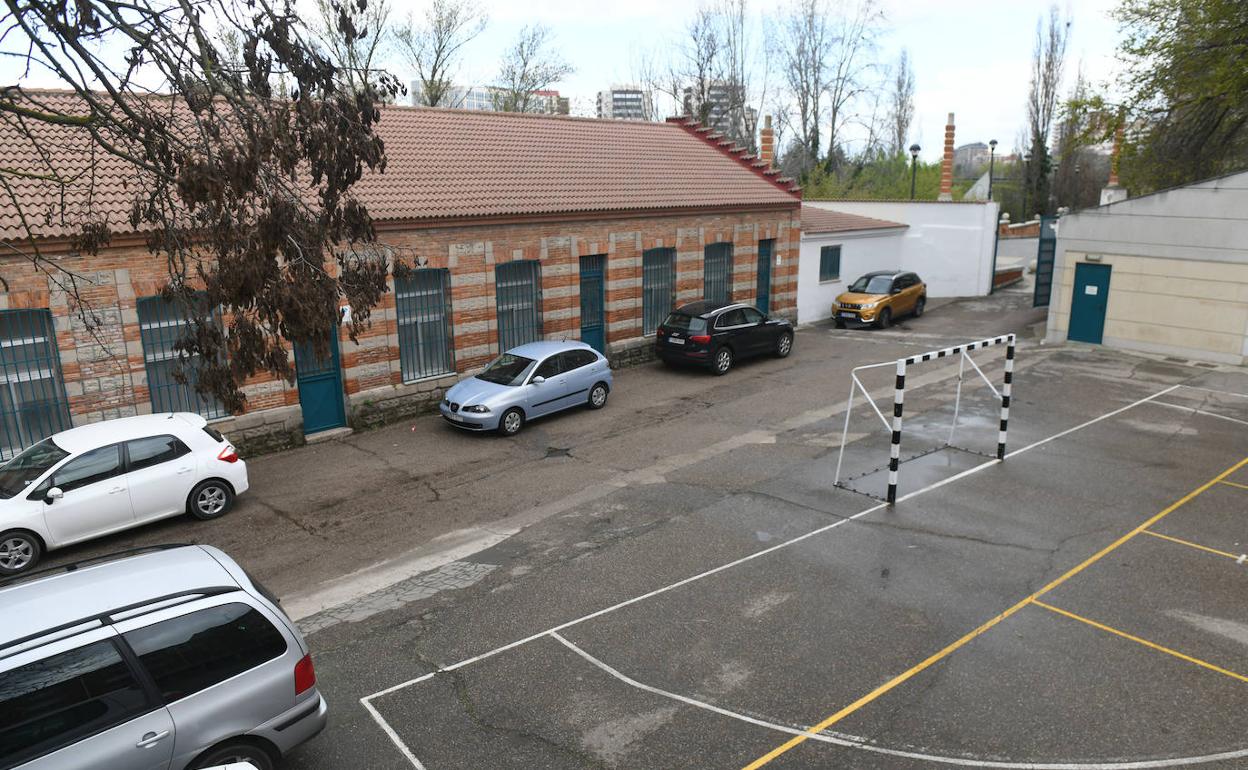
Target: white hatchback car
<point x="96" y="479"/>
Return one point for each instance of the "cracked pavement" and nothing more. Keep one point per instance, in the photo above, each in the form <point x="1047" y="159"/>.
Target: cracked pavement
<point x="426" y="546"/>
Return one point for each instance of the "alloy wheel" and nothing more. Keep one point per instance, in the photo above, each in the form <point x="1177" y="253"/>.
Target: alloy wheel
<point x="511" y="423"/>
<point x="723" y="360"/>
<point x="16" y="553"/>
<point x="211" y="500"/>
<point x="598" y="396"/>
<point x="786" y="344"/>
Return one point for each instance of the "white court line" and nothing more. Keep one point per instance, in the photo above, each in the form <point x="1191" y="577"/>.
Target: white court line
<point x="366" y="700"/>
<point x="863" y="746"/>
<point x="1200" y="411"/>
<point x="1211" y="390"/>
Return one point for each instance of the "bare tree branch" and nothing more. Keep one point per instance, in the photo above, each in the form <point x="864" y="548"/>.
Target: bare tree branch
<point x="433" y="45"/>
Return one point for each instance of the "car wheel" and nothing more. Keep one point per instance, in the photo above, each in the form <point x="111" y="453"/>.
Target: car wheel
<point x="598" y="396"/>
<point x="919" y="307"/>
<point x="723" y="361"/>
<point x="210" y="500"/>
<point x="784" y="345"/>
<point x="885" y="320"/>
<point x="234" y="753"/>
<point x="511" y="422"/>
<point x="19" y="551"/>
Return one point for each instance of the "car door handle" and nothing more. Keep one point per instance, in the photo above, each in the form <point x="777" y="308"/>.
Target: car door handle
<point x="115" y="490"/>
<point x="151" y="739"/>
<point x="184" y="470"/>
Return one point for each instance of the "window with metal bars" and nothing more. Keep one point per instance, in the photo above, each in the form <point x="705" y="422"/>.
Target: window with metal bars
<point x="717" y="272"/>
<point x="423" y="310"/>
<point x="829" y="263"/>
<point x="33" y="405"/>
<point x="518" y="302"/>
<point x="161" y="325"/>
<point x="658" y="287"/>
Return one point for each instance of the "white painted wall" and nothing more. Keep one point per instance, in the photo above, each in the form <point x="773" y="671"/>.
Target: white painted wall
<point x="1017" y="250"/>
<point x="861" y="252"/>
<point x="1179" y="284"/>
<point x="948" y="244"/>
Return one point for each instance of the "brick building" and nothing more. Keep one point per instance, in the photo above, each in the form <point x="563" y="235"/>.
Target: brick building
<point x="518" y="227"/>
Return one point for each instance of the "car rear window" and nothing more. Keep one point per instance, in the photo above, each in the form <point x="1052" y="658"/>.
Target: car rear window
<point x="192" y="652"/>
<point x="685" y="323"/>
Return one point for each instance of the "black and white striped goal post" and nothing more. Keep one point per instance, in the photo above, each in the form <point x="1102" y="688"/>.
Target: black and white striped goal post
<point x="899" y="399"/>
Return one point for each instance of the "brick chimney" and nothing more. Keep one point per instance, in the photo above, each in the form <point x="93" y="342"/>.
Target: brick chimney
<point x="1113" y="192"/>
<point x="767" y="143"/>
<point x="946" y="164"/>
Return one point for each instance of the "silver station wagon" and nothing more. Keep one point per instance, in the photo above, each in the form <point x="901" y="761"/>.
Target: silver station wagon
<point x="171" y="658"/>
<point x="529" y="381"/>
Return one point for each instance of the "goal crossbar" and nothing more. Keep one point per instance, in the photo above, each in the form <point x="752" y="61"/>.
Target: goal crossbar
<point x="899" y="398"/>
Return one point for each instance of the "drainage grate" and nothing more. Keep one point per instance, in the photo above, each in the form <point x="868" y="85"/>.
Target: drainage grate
<point x="555" y="451"/>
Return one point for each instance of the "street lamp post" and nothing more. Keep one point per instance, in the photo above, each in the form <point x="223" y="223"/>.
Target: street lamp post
<point x="1026" y="184"/>
<point x="914" y="160"/>
<point x="992" y="155"/>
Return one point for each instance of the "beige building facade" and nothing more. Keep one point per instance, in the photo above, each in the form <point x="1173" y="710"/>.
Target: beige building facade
<point x="1165" y="273"/>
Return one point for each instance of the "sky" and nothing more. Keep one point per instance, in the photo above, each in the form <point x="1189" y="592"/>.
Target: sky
<point x="970" y="57"/>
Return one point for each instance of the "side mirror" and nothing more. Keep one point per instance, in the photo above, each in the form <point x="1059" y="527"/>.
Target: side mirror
<point x="538" y="380"/>
<point x="52" y="495"/>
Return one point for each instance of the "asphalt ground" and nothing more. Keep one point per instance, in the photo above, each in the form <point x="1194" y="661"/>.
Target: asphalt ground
<point x="676" y="582"/>
<point x="1030" y="614"/>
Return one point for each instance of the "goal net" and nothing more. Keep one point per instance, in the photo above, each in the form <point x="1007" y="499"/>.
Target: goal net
<point x="899" y="399"/>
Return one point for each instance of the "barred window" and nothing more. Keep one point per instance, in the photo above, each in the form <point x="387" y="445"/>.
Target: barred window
<point x="717" y="272"/>
<point x="161" y="325"/>
<point x="658" y="287"/>
<point x="423" y="309"/>
<point x="518" y="294"/>
<point x="829" y="263"/>
<point x="32" y="393"/>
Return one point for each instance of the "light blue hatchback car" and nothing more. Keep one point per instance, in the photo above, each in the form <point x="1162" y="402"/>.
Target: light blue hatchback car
<point x="529" y="381"/>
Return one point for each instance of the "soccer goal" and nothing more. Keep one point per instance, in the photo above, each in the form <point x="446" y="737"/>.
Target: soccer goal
<point x="899" y="399"/>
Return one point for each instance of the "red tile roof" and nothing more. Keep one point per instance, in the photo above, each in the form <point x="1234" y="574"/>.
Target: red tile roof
<point x="820" y="220"/>
<point x="453" y="164"/>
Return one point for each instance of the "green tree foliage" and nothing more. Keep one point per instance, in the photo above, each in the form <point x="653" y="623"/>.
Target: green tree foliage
<point x="874" y="176"/>
<point x="1187" y="90"/>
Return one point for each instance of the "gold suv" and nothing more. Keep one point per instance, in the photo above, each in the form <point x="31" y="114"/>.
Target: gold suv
<point x="880" y="298"/>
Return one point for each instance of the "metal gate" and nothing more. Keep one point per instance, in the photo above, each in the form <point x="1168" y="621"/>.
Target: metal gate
<point x="1044" y="261"/>
<point x="717" y="272"/>
<point x="518" y="301"/>
<point x="32" y="401"/>
<point x="658" y="287"/>
<point x="593" y="302"/>
<point x="320" y="387"/>
<point x="765" y="250"/>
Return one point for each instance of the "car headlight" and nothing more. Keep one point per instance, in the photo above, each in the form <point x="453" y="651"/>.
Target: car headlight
<point x="869" y="305"/>
<point x="477" y="409"/>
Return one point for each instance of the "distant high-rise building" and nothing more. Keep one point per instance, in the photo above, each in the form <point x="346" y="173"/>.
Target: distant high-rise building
<point x="721" y="96"/>
<point x="625" y="103"/>
<point x="486" y="97"/>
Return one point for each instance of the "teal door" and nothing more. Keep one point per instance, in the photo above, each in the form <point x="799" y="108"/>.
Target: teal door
<point x="320" y="387"/>
<point x="1087" y="305"/>
<point x="593" y="302"/>
<point x="765" y="249"/>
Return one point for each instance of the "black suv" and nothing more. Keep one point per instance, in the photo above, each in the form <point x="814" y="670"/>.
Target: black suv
<point x="714" y="334"/>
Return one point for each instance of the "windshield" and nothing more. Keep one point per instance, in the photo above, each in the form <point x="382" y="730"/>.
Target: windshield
<point x="873" y="284"/>
<point x="507" y="369"/>
<point x="26" y="468"/>
<point x="685" y="323"/>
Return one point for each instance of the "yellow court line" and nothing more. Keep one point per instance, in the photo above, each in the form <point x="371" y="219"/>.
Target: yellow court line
<point x="797" y="740"/>
<point x="1237" y="486"/>
<point x="1138" y="640"/>
<point x="1190" y="544"/>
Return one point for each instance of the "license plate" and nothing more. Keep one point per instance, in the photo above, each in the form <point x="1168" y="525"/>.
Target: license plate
<point x="457" y="418"/>
<point x="849" y="315"/>
<point x="675" y="340"/>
